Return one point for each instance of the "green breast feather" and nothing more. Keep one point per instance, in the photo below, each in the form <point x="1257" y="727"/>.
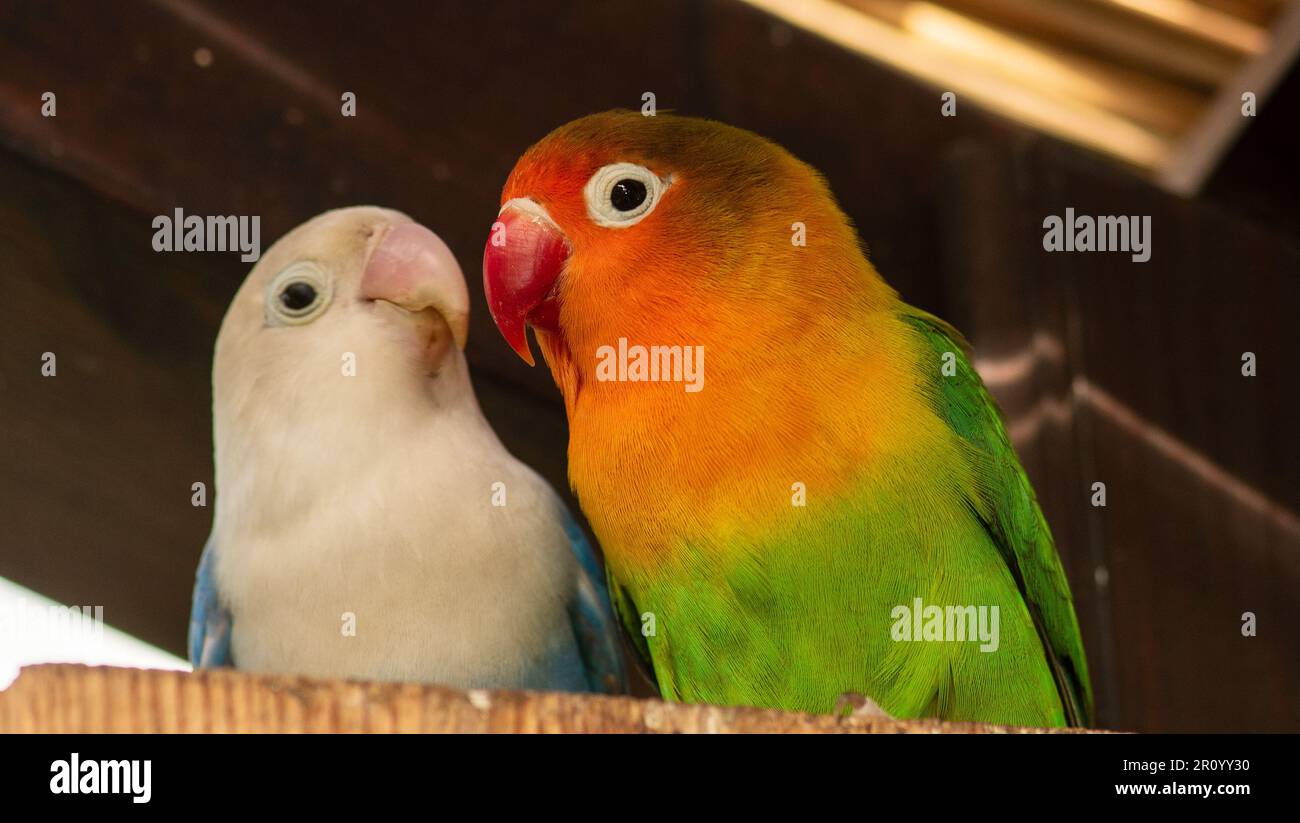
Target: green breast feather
<point x="808" y="611"/>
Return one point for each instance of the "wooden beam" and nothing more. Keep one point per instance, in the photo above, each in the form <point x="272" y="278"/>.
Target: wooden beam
<point x="944" y="69"/>
<point x="86" y="700"/>
<point x="1199" y="151"/>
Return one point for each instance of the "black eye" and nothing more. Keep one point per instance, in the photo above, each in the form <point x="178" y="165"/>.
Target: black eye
<point x="627" y="194"/>
<point x="298" y="295"/>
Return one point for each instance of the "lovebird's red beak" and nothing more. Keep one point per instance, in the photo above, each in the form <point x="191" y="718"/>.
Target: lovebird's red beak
<point x="521" y="262"/>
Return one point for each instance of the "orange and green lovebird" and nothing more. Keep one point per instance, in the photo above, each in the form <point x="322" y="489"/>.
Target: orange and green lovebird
<point x="801" y="486"/>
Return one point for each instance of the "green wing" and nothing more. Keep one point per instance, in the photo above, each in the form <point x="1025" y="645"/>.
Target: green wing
<point x="630" y="618"/>
<point x="1009" y="511"/>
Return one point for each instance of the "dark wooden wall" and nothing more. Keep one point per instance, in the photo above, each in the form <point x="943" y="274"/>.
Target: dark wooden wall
<point x="1134" y="376"/>
<point x="1131" y="375"/>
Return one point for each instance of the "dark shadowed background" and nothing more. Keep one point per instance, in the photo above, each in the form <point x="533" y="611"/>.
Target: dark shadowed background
<point x="1109" y="371"/>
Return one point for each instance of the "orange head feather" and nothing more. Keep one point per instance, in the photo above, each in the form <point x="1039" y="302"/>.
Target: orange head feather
<point x="706" y="255"/>
<point x="724" y="218"/>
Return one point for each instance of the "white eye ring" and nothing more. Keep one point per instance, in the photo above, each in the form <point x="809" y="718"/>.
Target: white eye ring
<point x="600" y="189"/>
<point x="280" y="313"/>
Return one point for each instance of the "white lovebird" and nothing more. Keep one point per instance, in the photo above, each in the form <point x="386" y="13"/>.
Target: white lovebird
<point x="368" y="522"/>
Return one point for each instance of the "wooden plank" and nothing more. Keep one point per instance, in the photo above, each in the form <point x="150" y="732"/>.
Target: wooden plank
<point x="1202" y="149"/>
<point x="90" y="700"/>
<point x="1260" y="12"/>
<point x="1079" y="122"/>
<point x="1198" y="21"/>
<point x="1024" y="59"/>
<point x="1110" y="32"/>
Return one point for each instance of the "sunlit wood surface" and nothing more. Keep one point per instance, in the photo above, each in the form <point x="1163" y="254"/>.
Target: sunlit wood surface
<point x="1155" y="83"/>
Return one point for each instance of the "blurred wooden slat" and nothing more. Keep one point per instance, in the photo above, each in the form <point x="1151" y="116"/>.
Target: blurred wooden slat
<point x="1198" y="21"/>
<point x="1259" y="12"/>
<point x="1111" y="75"/>
<point x="946" y="70"/>
<point x="1049" y="70"/>
<point x="1203" y="147"/>
<point x="94" y="700"/>
<point x="1098" y="30"/>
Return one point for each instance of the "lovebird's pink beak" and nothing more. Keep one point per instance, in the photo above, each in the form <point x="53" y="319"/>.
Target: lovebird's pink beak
<point x="522" y="261"/>
<point x="412" y="268"/>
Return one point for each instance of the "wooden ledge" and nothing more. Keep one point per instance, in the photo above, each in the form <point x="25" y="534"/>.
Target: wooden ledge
<point x="90" y="699"/>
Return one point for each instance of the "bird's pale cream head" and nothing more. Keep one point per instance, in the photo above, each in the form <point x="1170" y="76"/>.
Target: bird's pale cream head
<point x="359" y="309"/>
